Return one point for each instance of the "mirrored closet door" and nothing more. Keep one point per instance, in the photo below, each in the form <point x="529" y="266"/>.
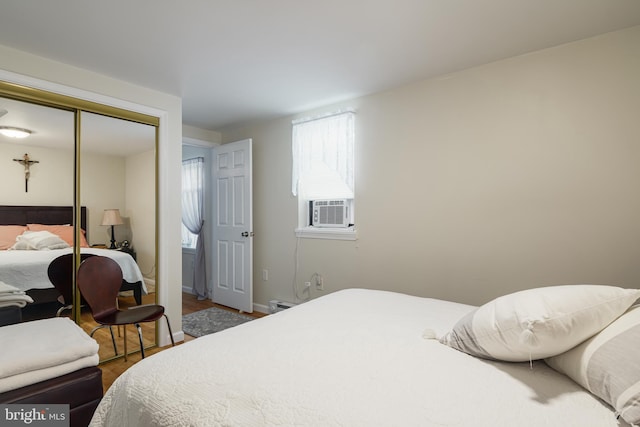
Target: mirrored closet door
<point x="85" y="173"/>
<point x="37" y="196"/>
<point x="118" y="190"/>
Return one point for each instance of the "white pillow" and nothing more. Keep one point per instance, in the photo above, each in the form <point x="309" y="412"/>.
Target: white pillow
<point x="540" y="322"/>
<point x="39" y="240"/>
<point x="608" y="365"/>
<point x="20" y="245"/>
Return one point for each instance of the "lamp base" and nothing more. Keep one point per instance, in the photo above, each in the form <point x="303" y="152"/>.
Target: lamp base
<point x="113" y="240"/>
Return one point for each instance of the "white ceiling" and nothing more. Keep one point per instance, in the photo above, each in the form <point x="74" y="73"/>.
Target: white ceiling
<point x="54" y="129"/>
<point x="234" y="61"/>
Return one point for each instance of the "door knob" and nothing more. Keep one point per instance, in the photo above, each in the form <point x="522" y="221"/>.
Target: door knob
<point x="245" y="234"/>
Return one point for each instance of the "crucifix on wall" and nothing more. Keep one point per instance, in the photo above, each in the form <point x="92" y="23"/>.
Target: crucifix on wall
<point x="26" y="162"/>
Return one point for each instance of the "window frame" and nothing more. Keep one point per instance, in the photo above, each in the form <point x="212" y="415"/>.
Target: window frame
<point x="304" y="228"/>
<point x="194" y="237"/>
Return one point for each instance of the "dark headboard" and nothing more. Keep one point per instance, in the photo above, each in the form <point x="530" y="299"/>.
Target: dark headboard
<point x="49" y="215"/>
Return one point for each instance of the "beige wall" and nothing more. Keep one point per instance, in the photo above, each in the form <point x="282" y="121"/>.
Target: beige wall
<point x="130" y="187"/>
<point x="515" y="174"/>
<point x="141" y="208"/>
<point x="102" y="187"/>
<point x="51" y="181"/>
<point x="22" y="68"/>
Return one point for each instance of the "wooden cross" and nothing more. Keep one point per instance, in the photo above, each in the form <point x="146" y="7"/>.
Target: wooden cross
<point x="26" y="162"/>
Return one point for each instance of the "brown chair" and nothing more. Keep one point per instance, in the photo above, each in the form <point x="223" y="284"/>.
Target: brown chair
<point x="99" y="280"/>
<point x="60" y="272"/>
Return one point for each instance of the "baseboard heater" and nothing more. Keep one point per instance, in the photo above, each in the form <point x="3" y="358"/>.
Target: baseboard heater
<point x="276" y="305"/>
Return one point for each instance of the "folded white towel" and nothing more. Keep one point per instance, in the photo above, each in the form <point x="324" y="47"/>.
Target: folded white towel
<point x="20" y="304"/>
<point x="12" y="296"/>
<point x="32" y="377"/>
<point x="15" y="297"/>
<point x="41" y="344"/>
<point x="6" y="288"/>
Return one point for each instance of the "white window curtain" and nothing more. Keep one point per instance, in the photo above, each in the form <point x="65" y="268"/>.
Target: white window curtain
<point x="193" y="218"/>
<point x="323" y="156"/>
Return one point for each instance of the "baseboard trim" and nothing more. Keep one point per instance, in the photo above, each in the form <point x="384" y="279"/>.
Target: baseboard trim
<point x="177" y="337"/>
<point x="261" y="308"/>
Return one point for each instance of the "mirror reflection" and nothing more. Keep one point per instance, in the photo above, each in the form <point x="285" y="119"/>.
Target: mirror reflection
<point x="117" y="188"/>
<point x="35" y="194"/>
<point x="117" y="192"/>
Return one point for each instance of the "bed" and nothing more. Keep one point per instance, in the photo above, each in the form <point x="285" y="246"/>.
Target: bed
<point x="27" y="269"/>
<point x="361" y="357"/>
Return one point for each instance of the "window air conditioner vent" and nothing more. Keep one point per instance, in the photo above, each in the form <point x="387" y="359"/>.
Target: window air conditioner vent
<point x="330" y="213"/>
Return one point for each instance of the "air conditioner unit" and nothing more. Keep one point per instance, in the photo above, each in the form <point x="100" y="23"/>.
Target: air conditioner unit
<point x="330" y="213"/>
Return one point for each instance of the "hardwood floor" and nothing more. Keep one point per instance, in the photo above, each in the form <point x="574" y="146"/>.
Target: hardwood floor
<point x="190" y="304"/>
<point x="113" y="369"/>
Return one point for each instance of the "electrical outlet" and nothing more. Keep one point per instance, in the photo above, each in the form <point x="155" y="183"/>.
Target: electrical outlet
<point x="319" y="283"/>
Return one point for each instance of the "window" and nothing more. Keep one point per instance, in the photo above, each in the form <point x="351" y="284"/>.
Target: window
<point x="192" y="201"/>
<point x="189" y="239"/>
<point x="323" y="175"/>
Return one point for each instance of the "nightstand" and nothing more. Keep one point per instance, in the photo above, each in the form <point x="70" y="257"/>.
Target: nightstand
<point x="127" y="250"/>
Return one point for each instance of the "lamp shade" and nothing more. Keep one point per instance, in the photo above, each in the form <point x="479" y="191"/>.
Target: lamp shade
<point x="112" y="217"/>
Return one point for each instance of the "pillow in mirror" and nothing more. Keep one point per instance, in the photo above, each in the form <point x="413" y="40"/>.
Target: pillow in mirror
<point x="39" y="241"/>
<point x="9" y="234"/>
<point x="65" y="232"/>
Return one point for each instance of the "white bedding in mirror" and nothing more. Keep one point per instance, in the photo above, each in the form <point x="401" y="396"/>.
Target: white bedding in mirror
<point x="351" y="358"/>
<point x="28" y="269"/>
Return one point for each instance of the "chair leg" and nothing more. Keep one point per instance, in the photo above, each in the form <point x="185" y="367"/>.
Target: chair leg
<point x="115" y="348"/>
<point x="63" y="308"/>
<point x="113" y="340"/>
<point x="124" y="334"/>
<point x="173" y="343"/>
<point x="140" y="338"/>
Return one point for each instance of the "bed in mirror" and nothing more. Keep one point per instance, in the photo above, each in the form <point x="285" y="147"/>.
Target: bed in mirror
<point x="42" y="193"/>
<point x="87" y="164"/>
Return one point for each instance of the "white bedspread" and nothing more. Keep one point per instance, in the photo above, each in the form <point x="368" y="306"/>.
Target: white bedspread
<point x="28" y="269"/>
<point x="43" y="349"/>
<point x="351" y="358"/>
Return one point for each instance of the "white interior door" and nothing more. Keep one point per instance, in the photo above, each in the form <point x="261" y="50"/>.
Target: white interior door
<point x="233" y="226"/>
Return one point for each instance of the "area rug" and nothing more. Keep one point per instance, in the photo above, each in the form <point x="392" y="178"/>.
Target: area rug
<point x="211" y="320"/>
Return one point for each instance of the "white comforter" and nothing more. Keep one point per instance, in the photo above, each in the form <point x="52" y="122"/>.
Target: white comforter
<point x="351" y="358"/>
<point x="28" y="269"/>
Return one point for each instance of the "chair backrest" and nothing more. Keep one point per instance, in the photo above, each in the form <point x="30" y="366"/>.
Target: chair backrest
<point x="99" y="280"/>
<point x="60" y="272"/>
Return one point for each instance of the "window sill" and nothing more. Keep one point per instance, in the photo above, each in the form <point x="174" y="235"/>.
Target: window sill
<point x="327" y="233"/>
<point x="188" y="250"/>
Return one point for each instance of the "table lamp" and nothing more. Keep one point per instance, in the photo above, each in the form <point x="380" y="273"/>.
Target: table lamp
<point x="112" y="217"/>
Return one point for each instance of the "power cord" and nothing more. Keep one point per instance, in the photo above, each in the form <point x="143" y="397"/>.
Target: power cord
<point x="296" y="294"/>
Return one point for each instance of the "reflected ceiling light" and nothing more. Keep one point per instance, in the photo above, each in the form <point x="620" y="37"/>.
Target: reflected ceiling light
<point x="14" y="132"/>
